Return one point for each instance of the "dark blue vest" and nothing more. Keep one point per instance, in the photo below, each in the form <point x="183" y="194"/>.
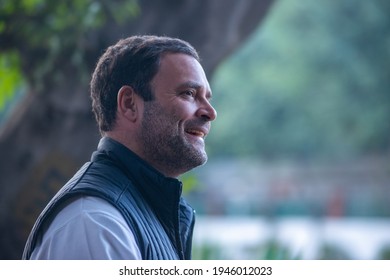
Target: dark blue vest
<point x="161" y="220"/>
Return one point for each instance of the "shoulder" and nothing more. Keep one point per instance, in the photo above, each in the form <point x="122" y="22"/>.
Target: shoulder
<point x="87" y="228"/>
<point x="86" y="207"/>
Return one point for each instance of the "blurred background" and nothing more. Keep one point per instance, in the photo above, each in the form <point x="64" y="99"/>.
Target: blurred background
<point x="299" y="156"/>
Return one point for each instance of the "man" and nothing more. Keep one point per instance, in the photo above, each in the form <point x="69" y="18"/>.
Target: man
<point x="151" y="99"/>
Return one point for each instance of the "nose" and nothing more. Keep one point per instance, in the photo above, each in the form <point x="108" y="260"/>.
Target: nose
<point x="207" y="111"/>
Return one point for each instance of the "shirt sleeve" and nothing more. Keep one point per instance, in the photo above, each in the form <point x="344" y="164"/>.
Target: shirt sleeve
<point x="88" y="228"/>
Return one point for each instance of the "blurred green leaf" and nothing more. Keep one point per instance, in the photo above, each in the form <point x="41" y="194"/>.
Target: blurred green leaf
<point x="190" y="181"/>
<point x="11" y="78"/>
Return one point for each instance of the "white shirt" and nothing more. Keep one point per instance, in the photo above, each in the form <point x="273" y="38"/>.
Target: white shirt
<point x="87" y="228"/>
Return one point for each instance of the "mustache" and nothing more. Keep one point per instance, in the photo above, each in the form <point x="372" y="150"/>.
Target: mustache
<point x="199" y="123"/>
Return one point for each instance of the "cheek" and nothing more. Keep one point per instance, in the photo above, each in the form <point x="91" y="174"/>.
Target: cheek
<point x="174" y="116"/>
<point x="183" y="111"/>
<point x="169" y="122"/>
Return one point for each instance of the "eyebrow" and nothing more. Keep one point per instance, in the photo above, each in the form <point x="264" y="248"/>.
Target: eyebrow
<point x="197" y="86"/>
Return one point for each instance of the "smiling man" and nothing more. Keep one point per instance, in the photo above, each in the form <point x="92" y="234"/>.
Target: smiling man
<point x="151" y="99"/>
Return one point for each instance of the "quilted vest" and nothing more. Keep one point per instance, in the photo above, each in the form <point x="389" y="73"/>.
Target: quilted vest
<point x="152" y="205"/>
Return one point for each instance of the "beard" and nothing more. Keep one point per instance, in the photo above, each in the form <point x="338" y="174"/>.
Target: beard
<point x="165" y="145"/>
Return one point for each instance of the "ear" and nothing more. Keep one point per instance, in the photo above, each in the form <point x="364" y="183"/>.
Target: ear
<point x="127" y="103"/>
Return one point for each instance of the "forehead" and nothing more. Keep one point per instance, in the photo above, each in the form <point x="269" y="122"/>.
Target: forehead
<point x="179" y="70"/>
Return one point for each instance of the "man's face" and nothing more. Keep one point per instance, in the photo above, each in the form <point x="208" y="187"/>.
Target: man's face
<point x="176" y="122"/>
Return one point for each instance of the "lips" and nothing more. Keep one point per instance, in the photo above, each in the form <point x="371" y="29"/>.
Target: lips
<point x="199" y="132"/>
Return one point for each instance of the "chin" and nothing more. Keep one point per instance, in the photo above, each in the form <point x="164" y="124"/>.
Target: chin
<point x="202" y="158"/>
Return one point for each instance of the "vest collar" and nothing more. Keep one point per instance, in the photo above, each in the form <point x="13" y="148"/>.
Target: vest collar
<point x="162" y="193"/>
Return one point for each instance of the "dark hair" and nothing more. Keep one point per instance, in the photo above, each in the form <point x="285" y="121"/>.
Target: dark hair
<point x="133" y="61"/>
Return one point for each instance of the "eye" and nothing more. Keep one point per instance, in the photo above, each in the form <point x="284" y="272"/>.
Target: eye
<point x="189" y="93"/>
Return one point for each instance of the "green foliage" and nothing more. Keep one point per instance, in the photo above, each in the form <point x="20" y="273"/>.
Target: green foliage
<point x="190" y="182"/>
<point x="384" y="253"/>
<point x="332" y="252"/>
<point x="311" y="83"/>
<point x="56" y="34"/>
<point x="45" y="17"/>
<point x="207" y="251"/>
<point x="42" y="22"/>
<point x="273" y="250"/>
<point x="11" y="79"/>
